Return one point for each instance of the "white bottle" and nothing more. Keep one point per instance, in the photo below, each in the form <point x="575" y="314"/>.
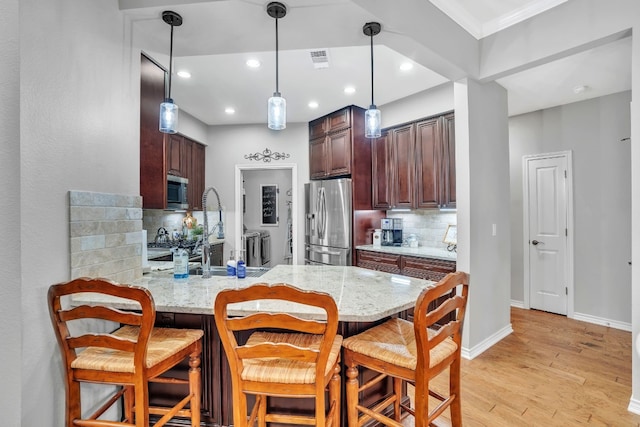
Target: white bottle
<point x="377" y="237"/>
<point x="180" y="264"/>
<point x="231" y="266"/>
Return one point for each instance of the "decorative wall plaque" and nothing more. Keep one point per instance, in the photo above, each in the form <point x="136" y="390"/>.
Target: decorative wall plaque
<point x="266" y="156"/>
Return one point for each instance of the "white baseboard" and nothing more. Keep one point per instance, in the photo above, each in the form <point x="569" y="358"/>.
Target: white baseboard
<point x="486" y="344"/>
<point x="517" y="304"/>
<point x="602" y="321"/>
<point x="634" y="406"/>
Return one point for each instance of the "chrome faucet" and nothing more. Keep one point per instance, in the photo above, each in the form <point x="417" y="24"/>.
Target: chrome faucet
<point x="206" y="247"/>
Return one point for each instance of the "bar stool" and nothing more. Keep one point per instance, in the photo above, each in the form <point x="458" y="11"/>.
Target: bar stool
<point x="412" y="352"/>
<point x="132" y="356"/>
<point x="284" y="356"/>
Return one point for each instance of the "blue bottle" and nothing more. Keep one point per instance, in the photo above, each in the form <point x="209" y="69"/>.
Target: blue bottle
<point x="241" y="268"/>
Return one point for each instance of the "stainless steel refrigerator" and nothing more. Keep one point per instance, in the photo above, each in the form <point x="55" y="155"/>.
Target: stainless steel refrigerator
<point x="328" y="222"/>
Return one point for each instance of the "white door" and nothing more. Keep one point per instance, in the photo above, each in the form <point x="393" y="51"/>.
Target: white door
<point x="547" y="233"/>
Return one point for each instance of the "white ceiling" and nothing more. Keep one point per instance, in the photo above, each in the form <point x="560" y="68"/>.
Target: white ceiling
<point x="213" y="44"/>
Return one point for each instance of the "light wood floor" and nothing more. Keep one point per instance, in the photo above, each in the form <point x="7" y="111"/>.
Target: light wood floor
<point x="551" y="371"/>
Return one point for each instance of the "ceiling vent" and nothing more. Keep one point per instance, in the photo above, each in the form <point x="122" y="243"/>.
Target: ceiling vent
<point x="319" y="58"/>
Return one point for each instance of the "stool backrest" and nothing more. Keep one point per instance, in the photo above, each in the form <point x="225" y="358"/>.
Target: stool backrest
<point x="438" y="315"/>
<point x="61" y="316"/>
<point x="228" y="325"/>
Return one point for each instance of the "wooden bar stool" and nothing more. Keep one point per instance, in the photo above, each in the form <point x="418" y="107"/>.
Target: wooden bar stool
<point x="414" y="353"/>
<point x="132" y="356"/>
<point x="285" y="356"/>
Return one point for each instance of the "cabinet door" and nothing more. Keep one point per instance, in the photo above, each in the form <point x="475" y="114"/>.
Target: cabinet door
<point x="339" y="153"/>
<point x="427" y="268"/>
<point x="448" y="163"/>
<point x="428" y="142"/>
<point x="318" y="158"/>
<point x="403" y="163"/>
<point x="175" y="158"/>
<point x="381" y="175"/>
<point x="379" y="261"/>
<point x="339" y="120"/>
<point x="196" y="177"/>
<point x="317" y="128"/>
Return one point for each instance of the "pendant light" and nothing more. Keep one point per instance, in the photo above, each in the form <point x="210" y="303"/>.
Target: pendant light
<point x="372" y="115"/>
<point x="169" y="110"/>
<point x="277" y="107"/>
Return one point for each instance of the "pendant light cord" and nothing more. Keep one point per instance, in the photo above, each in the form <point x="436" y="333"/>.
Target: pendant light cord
<point x="170" y="60"/>
<point x="277" y="89"/>
<point x="371" y="37"/>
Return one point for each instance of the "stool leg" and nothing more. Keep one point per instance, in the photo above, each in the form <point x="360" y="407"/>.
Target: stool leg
<point x="73" y="405"/>
<point x="262" y="411"/>
<point x="334" y="394"/>
<point x="128" y="403"/>
<point x="195" y="388"/>
<point x="352" y="395"/>
<point x="397" y="391"/>
<point x="454" y="389"/>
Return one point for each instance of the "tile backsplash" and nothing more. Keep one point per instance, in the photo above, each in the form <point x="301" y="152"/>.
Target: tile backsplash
<point x="105" y="232"/>
<point x="429" y="226"/>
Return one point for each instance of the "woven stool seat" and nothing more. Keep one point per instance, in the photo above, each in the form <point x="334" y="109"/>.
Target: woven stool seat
<point x="410" y="352"/>
<point x="394" y="342"/>
<point x="280" y="370"/>
<point x="163" y="343"/>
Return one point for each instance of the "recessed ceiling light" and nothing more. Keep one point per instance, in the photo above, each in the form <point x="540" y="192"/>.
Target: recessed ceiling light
<point x="253" y="63"/>
<point x="313" y="104"/>
<point x="230" y="110"/>
<point x="349" y="90"/>
<point x="184" y="74"/>
<point x="406" y="66"/>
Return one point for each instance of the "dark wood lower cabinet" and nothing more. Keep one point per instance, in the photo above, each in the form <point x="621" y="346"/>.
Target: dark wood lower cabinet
<point x="217" y="404"/>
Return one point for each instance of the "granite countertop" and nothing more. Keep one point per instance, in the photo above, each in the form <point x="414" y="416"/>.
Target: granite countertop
<point x="362" y="295"/>
<point x="421" y="251"/>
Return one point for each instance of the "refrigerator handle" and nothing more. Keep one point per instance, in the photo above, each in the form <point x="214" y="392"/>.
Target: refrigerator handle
<point x="323" y="214"/>
<point x="310" y="224"/>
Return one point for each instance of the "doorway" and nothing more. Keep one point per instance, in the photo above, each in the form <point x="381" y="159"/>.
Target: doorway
<point x="548" y="232"/>
<point x="283" y="230"/>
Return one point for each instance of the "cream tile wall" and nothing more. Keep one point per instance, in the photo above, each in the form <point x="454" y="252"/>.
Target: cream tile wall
<point x="105" y="232"/>
<point x="429" y="226"/>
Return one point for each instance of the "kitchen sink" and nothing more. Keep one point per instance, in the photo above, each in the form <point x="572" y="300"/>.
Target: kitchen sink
<point x="222" y="271"/>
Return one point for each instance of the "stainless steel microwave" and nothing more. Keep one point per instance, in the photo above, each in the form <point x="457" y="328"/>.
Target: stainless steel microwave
<point x="177" y="192"/>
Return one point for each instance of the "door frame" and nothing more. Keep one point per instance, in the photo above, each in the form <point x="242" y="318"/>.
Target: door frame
<point x="567" y="155"/>
<point x="294" y="201"/>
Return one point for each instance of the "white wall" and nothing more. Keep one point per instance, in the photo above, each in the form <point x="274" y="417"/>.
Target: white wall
<point x="10" y="291"/>
<point x="227" y="147"/>
<point x="422" y="104"/>
<point x="592" y="130"/>
<point x="79" y="129"/>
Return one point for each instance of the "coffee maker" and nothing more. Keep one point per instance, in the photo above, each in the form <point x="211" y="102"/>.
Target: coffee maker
<point x="391" y="231"/>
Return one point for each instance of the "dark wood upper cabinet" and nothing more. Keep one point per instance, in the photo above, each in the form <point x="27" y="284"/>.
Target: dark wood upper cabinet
<point x="427" y="159"/>
<point x="381" y="171"/>
<point x="403" y="166"/>
<point x="164" y="154"/>
<point x="419" y="167"/>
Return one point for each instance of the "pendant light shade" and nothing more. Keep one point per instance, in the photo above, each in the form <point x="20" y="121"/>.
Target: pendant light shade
<point x="372" y="118"/>
<point x="168" y="122"/>
<point x="277" y="106"/>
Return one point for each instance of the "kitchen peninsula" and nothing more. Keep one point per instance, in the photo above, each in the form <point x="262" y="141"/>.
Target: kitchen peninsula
<point x="363" y="296"/>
